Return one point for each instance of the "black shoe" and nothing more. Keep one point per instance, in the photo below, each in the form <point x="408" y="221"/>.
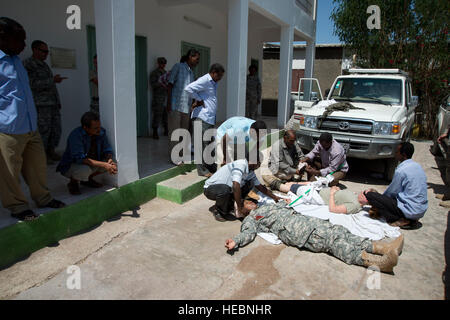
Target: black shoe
<point x="91" y="183"/>
<point x="219" y="217"/>
<point x="26" y="215"/>
<point x="230" y="217"/>
<point x="53" y="156"/>
<point x="155" y="134"/>
<point x="216" y="214"/>
<point x="56" y="204"/>
<point x="74" y="189"/>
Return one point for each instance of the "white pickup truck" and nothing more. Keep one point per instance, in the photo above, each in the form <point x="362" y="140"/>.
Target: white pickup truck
<point x="384" y="114"/>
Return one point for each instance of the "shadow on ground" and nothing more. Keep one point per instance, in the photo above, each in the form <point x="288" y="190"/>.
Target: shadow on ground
<point x="446" y="273"/>
<point x="366" y="171"/>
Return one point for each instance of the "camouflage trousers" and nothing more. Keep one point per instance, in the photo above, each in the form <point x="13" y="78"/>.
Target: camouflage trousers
<point x="95" y="107"/>
<point x="159" y="112"/>
<point x="276" y="180"/>
<point x="339" y="242"/>
<point x="251" y="107"/>
<point x="49" y="124"/>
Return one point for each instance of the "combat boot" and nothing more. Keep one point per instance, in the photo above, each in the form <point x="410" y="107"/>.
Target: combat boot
<point x="381" y="247"/>
<point x="385" y="263"/>
<point x="155" y="134"/>
<point x="53" y="155"/>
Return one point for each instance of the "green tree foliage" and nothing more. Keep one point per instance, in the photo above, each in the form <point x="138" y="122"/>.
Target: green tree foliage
<point x="413" y="37"/>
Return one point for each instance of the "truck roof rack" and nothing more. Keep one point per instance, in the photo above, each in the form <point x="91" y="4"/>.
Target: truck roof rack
<point x="379" y="71"/>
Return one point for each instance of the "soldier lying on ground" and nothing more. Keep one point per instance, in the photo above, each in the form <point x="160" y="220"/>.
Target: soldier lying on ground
<point x="318" y="236"/>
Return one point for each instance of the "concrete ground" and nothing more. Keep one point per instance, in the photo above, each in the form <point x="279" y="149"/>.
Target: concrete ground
<point x="167" y="251"/>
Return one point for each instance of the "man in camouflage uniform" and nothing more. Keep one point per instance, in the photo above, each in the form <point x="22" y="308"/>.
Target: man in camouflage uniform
<point x="253" y="94"/>
<point x="46" y="98"/>
<point x="93" y="78"/>
<point x="317" y="235"/>
<point x="159" y="101"/>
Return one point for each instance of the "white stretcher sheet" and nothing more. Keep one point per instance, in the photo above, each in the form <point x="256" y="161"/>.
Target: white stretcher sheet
<point x="359" y="224"/>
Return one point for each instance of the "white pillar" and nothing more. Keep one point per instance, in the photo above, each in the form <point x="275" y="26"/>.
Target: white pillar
<point x="115" y="32"/>
<point x="284" y="85"/>
<point x="309" y="59"/>
<point x="309" y="66"/>
<point x="237" y="57"/>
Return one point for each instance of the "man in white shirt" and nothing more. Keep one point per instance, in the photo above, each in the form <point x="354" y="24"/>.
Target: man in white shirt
<point x="204" y="91"/>
<point x="231" y="183"/>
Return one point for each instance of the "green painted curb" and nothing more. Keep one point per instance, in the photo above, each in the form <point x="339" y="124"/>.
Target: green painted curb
<point x="180" y="196"/>
<point x="193" y="191"/>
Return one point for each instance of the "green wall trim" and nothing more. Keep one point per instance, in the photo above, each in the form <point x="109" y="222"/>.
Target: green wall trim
<point x="18" y="241"/>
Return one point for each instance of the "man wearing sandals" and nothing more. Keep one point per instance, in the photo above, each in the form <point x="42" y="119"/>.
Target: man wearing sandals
<point x="87" y="154"/>
<point x="405" y="200"/>
<point x="21" y="147"/>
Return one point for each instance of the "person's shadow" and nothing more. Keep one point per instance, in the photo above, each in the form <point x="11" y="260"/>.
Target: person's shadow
<point x="437" y="188"/>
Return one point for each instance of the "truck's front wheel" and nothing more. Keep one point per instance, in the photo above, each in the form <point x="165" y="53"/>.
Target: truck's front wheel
<point x="389" y="168"/>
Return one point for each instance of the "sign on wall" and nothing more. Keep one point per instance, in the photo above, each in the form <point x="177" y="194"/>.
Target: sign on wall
<point x="63" y="58"/>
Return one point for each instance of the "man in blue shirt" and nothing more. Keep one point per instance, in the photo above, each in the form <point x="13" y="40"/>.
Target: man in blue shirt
<point x="178" y="101"/>
<point x="233" y="136"/>
<point x="405" y="200"/>
<point x="87" y="154"/>
<point x="21" y="148"/>
<point x="204" y="91"/>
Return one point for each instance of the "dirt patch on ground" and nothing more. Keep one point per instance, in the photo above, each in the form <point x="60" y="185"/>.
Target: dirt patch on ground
<point x="258" y="263"/>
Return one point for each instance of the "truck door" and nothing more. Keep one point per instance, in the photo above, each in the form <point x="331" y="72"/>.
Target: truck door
<point x="410" y="106"/>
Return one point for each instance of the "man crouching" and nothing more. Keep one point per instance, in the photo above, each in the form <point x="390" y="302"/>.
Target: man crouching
<point x="87" y="154"/>
<point x="317" y="235"/>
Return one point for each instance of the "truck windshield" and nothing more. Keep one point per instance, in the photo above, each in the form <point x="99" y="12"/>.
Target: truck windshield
<point x="383" y="91"/>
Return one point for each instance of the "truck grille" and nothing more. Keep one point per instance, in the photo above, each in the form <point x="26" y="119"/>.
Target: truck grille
<point x="360" y="146"/>
<point x="347" y="125"/>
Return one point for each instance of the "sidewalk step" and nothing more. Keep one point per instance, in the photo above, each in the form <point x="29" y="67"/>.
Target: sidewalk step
<point x="181" y="188"/>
